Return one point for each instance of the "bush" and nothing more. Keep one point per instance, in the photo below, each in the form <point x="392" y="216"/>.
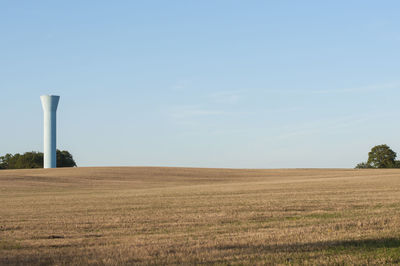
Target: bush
<point x="363" y="165"/>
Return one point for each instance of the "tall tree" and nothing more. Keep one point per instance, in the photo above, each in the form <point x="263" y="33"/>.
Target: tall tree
<point x="382" y="156"/>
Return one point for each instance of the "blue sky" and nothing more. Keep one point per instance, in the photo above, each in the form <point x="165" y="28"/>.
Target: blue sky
<point x="246" y="84"/>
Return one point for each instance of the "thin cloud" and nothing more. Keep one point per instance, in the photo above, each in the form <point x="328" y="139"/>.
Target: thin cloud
<point x="372" y="88"/>
<point x="320" y="126"/>
<point x="226" y="97"/>
<point x="181" y="85"/>
<point x="187" y="111"/>
<point x="363" y="89"/>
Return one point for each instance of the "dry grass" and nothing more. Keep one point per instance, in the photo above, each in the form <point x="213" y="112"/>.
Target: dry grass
<point x="116" y="216"/>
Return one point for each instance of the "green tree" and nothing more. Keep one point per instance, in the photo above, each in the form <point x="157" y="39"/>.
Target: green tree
<point x="382" y="156"/>
<point x="65" y="159"/>
<point x="13" y="161"/>
<point x="363" y="165"/>
<point x="29" y="160"/>
<point x="4" y="160"/>
<point x="34" y="160"/>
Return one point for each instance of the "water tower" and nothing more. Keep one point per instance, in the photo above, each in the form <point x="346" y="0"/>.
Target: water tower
<point x="49" y="104"/>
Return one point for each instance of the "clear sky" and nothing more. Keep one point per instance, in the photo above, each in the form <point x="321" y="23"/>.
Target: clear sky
<point x="246" y="84"/>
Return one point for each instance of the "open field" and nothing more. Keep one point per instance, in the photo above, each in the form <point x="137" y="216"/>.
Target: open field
<point x="130" y="215"/>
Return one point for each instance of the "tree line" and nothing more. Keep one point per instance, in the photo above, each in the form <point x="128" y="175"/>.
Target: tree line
<point x="34" y="160"/>
<point x="380" y="156"/>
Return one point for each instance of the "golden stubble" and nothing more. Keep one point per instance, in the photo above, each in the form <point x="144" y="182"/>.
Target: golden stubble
<point x="150" y="215"/>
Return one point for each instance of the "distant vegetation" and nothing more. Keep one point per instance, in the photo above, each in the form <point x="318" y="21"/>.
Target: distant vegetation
<point x="381" y="156"/>
<point x="34" y="160"/>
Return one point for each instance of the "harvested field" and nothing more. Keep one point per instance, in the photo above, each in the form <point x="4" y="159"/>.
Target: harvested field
<point x="150" y="215"/>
